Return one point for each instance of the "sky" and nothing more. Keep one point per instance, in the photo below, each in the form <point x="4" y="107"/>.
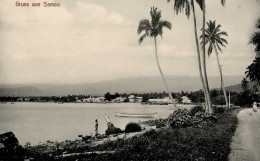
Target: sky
<point x="86" y="41"/>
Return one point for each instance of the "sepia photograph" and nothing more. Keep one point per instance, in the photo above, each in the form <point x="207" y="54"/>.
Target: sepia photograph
<point x="130" y="80"/>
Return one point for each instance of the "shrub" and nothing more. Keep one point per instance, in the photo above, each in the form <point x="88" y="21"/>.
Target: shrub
<point x="113" y="130"/>
<point x="132" y="127"/>
<point x="160" y="124"/>
<point x="196" y="109"/>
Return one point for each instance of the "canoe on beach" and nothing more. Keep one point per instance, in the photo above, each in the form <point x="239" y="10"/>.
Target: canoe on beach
<point x="141" y="115"/>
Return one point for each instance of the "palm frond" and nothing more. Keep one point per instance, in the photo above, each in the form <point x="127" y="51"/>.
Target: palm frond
<point x="219" y="48"/>
<point x="255" y="39"/>
<point x="187" y="8"/>
<point x="142" y="38"/>
<point x="210" y="49"/>
<point x="182" y="5"/>
<point x="155" y="15"/>
<point x="258" y="24"/>
<point x="222" y="33"/>
<point x="144" y="25"/>
<point x="162" y="24"/>
<point x="224" y="40"/>
<point x="200" y="3"/>
<point x="223" y="2"/>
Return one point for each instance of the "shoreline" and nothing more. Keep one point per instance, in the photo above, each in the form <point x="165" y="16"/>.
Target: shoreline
<point x="101" y="149"/>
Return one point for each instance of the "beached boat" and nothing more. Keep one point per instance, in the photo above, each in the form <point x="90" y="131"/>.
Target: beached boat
<point x="141" y="115"/>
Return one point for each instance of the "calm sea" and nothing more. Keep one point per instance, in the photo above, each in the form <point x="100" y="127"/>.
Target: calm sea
<point x="39" y="122"/>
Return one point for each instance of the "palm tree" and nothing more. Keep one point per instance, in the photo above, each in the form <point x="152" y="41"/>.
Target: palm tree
<point x="253" y="72"/>
<point x="152" y="29"/>
<point x="213" y="38"/>
<point x="187" y="5"/>
<point x="255" y="39"/>
<point x="210" y="110"/>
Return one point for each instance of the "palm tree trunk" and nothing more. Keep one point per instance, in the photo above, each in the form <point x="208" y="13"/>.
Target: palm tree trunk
<point x="221" y="77"/>
<point x="198" y="53"/>
<point x="164" y="80"/>
<point x="210" y="111"/>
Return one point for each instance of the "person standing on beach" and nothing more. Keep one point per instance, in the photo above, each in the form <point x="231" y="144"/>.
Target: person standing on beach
<point x="96" y="127"/>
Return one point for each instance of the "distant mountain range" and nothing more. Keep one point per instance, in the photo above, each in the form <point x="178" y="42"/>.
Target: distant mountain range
<point x="127" y="85"/>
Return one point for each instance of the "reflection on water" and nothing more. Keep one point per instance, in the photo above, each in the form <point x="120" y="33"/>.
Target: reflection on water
<point x="35" y="122"/>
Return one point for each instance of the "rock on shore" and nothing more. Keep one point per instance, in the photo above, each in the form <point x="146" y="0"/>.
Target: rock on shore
<point x="10" y="149"/>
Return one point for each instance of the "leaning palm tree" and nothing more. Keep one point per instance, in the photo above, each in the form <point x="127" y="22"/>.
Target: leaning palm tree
<point x="204" y="52"/>
<point x="187" y="5"/>
<point x="214" y="39"/>
<point x="152" y="29"/>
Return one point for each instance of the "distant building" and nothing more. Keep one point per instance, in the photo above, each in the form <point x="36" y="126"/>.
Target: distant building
<point x="84" y="100"/>
<point x="139" y="99"/>
<point x="169" y="100"/>
<point x="89" y="100"/>
<point x="132" y="98"/>
<point x="19" y="99"/>
<point x="96" y="100"/>
<point x="102" y="99"/>
<point x="79" y="101"/>
<point x="118" y="100"/>
<point x="27" y="99"/>
<point x="185" y="100"/>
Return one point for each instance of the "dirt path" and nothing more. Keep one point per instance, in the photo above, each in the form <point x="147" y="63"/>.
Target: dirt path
<point x="245" y="144"/>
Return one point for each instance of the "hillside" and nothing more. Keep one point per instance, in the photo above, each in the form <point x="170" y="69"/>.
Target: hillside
<point x="127" y="85"/>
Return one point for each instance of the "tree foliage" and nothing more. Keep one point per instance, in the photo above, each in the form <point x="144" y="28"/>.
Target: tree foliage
<point x="253" y="71"/>
<point x="255" y="38"/>
<point x="154" y="27"/>
<point x="213" y="37"/>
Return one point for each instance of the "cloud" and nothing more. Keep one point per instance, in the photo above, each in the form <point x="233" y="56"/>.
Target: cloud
<point x="94" y="42"/>
<point x="45" y="42"/>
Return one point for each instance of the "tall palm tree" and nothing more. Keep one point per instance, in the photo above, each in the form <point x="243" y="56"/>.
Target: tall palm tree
<point x="210" y="110"/>
<point x="214" y="39"/>
<point x="152" y="29"/>
<point x="187" y="5"/>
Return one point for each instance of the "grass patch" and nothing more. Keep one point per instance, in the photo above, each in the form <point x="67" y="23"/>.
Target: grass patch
<point x="209" y="142"/>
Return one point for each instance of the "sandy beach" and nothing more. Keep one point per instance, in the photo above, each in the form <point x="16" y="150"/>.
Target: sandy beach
<point x="245" y="144"/>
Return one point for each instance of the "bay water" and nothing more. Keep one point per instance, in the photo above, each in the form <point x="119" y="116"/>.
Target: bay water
<point x="39" y="122"/>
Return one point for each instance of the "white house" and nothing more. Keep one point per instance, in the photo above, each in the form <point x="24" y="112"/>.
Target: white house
<point x="95" y="100"/>
<point x="78" y="101"/>
<point x="84" y="100"/>
<point x="102" y="99"/>
<point x="27" y="99"/>
<point x="185" y="100"/>
<point x="131" y="98"/>
<point x="20" y="99"/>
<point x="139" y="99"/>
<point x="157" y="101"/>
<point x="118" y="100"/>
<point x="169" y="100"/>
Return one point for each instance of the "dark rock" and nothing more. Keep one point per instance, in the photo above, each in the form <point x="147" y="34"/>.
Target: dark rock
<point x="111" y="129"/>
<point x="10" y="149"/>
<point x="87" y="137"/>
